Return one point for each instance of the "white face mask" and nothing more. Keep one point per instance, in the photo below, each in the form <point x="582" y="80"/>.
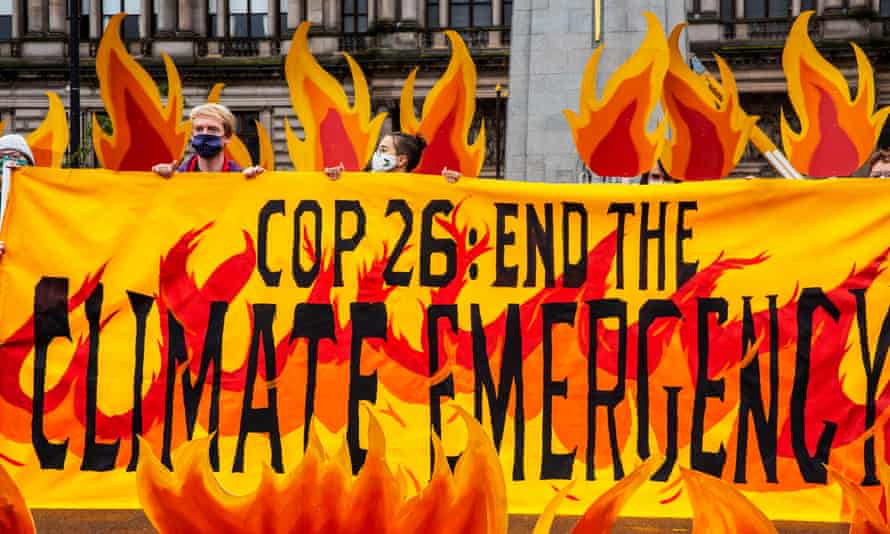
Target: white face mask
<point x="383" y="162"/>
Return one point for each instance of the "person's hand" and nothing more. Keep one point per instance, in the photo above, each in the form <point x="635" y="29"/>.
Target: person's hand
<point x="253" y="172"/>
<point x="165" y="170"/>
<point x="451" y="176"/>
<point x="334" y="173"/>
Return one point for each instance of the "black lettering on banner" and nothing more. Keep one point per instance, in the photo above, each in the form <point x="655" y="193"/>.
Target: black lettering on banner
<point x="505" y="276"/>
<point x="540" y="239"/>
<point x="390" y="275"/>
<point x="649" y="313"/>
<point x="812" y="468"/>
<point x="96" y="456"/>
<point x="554" y="466"/>
<point x="444" y="388"/>
<point x="574" y="274"/>
<point x="368" y="321"/>
<point x="346" y="244"/>
<point x="623" y="209"/>
<point x="430" y="245"/>
<point x="313" y="322"/>
<point x="271" y="278"/>
<point x="685" y="270"/>
<point x="260" y="420"/>
<point x="177" y="356"/>
<point x="873" y="372"/>
<point x="647" y="234"/>
<point x="750" y="397"/>
<point x="609" y="398"/>
<point x="50" y="322"/>
<point x="141" y="305"/>
<point x="706" y="462"/>
<point x="510" y="376"/>
<point x="670" y="453"/>
<point x="303" y="277"/>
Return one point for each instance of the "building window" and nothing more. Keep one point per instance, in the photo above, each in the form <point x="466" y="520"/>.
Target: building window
<point x="884" y="8"/>
<point x="249" y="18"/>
<point x="355" y="16"/>
<point x="760" y="9"/>
<point x="84" y="19"/>
<point x="727" y="9"/>
<point x="211" y="18"/>
<point x="247" y="132"/>
<point x="5" y="20"/>
<point x="508" y="13"/>
<point x="130" y="27"/>
<point x="432" y="13"/>
<point x="469" y="13"/>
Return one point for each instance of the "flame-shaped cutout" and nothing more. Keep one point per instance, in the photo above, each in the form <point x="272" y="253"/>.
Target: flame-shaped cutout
<point x="719" y="508"/>
<point x="236" y="150"/>
<point x="334" y="132"/>
<point x="15" y="517"/>
<point x="610" y="133"/>
<point x="707" y="138"/>
<point x="49" y="141"/>
<point x="837" y="133"/>
<point x="448" y="112"/>
<point x="320" y="495"/>
<point x="866" y="517"/>
<point x="145" y="132"/>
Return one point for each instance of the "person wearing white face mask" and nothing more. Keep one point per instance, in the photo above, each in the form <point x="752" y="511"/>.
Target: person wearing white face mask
<point x="397" y="152"/>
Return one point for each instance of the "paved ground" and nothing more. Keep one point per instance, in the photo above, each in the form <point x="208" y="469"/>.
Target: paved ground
<point x="134" y="522"/>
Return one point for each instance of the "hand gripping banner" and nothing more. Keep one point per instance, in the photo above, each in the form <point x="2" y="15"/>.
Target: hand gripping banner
<point x="738" y="329"/>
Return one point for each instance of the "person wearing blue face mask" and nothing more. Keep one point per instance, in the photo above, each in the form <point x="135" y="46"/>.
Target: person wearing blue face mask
<point x="397" y="152"/>
<point x="212" y="128"/>
<point x="15" y="152"/>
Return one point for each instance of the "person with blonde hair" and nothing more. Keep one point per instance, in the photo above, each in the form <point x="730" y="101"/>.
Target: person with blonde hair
<point x="212" y="128"/>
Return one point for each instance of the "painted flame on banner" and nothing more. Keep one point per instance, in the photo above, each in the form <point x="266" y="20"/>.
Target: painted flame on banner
<point x="447" y="117"/>
<point x="719" y="508"/>
<point x="236" y="150"/>
<point x="334" y="133"/>
<point x="50" y="140"/>
<point x="145" y="131"/>
<point x="707" y="138"/>
<point x="15" y="517"/>
<point x="320" y="494"/>
<point x="610" y="133"/>
<point x="837" y="133"/>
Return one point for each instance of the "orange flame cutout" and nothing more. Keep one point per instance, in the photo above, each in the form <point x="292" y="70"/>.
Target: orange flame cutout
<point x="236" y="150"/>
<point x="49" y="141"/>
<point x="15" y="517"/>
<point x="867" y="518"/>
<point x="708" y="138"/>
<point x="448" y="112"/>
<point x="334" y="132"/>
<point x="837" y="134"/>
<point x="719" y="508"/>
<point x="610" y="133"/>
<point x="320" y="494"/>
<point x="145" y="132"/>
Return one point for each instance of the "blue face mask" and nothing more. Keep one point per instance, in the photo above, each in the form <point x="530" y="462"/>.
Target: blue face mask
<point x="21" y="162"/>
<point x="207" y="145"/>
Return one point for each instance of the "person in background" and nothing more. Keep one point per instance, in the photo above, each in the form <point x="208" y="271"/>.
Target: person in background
<point x="212" y="129"/>
<point x="14" y="153"/>
<point x="397" y="152"/>
<point x="879" y="165"/>
<point x="657" y="175"/>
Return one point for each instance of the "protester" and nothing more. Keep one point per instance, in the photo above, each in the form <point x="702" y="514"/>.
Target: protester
<point x="212" y="129"/>
<point x="15" y="152"/>
<point x="879" y="165"/>
<point x="397" y="152"/>
<point x="657" y="175"/>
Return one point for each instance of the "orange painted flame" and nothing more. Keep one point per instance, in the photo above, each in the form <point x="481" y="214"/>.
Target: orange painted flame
<point x="49" y="141"/>
<point x="15" y="517"/>
<point x="334" y="132"/>
<point x="145" y="131"/>
<point x="837" y="133"/>
<point x="707" y="139"/>
<point x="447" y="116"/>
<point x="866" y="517"/>
<point x="320" y="494"/>
<point x="719" y="508"/>
<point x="610" y="133"/>
<point x="236" y="150"/>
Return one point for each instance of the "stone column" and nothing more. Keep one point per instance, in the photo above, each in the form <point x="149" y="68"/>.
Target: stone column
<point x="274" y="16"/>
<point x="316" y="12"/>
<point x="186" y="17"/>
<point x="201" y="10"/>
<point x="222" y="18"/>
<point x="36" y="10"/>
<point x="58" y="16"/>
<point x="145" y="15"/>
<point x="832" y="6"/>
<point x="166" y="17"/>
<point x="740" y="9"/>
<point x="795" y="8"/>
<point x="410" y="12"/>
<point x="17" y="19"/>
<point x="332" y="12"/>
<point x="861" y="7"/>
<point x="439" y="38"/>
<point x="387" y="12"/>
<point x="708" y="8"/>
<point x="497" y="19"/>
<point x="295" y="13"/>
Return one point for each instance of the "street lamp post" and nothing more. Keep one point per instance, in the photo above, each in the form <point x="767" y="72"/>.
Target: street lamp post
<point x="74" y="82"/>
